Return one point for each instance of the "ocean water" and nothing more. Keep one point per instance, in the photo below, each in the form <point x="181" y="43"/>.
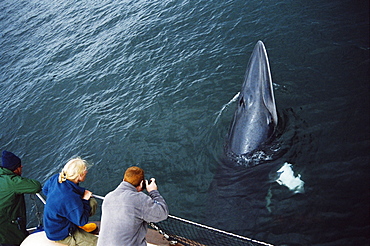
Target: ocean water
<point x="151" y="83"/>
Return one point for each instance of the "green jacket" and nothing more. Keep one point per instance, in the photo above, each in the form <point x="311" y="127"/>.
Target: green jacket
<point x="13" y="207"/>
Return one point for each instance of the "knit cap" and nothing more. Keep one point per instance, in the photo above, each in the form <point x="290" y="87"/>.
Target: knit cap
<point x="10" y="160"/>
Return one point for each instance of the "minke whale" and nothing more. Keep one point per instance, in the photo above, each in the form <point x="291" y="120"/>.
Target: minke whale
<point x="255" y="117"/>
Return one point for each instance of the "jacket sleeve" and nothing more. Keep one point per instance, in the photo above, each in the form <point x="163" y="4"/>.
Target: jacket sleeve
<point x="155" y="207"/>
<point x="24" y="185"/>
<point x="45" y="189"/>
<point x="79" y="215"/>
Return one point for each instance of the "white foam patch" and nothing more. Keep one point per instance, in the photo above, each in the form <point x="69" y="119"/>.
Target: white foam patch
<point x="287" y="178"/>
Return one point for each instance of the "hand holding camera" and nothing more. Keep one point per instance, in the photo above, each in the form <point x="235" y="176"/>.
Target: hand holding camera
<point x="149" y="185"/>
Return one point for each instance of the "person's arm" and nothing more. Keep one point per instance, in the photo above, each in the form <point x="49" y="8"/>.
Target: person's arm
<point x="155" y="207"/>
<point x="25" y="185"/>
<point x="80" y="209"/>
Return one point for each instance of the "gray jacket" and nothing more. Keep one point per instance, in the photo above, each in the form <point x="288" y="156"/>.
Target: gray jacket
<point x="125" y="213"/>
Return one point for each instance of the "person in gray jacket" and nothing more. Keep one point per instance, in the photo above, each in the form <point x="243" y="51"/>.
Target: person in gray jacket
<point x="126" y="210"/>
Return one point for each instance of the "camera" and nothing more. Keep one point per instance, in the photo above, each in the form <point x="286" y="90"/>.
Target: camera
<point x="144" y="183"/>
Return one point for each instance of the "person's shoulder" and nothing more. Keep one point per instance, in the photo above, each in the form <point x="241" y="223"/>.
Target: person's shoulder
<point x="143" y="196"/>
<point x="5" y="171"/>
<point x="53" y="178"/>
<point x="24" y="185"/>
<point x="30" y="180"/>
<point x="16" y="178"/>
<point x="123" y="188"/>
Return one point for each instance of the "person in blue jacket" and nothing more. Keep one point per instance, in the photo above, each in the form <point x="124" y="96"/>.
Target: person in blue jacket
<point x="68" y="206"/>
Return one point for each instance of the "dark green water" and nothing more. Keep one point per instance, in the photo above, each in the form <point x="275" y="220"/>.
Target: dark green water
<point x="124" y="83"/>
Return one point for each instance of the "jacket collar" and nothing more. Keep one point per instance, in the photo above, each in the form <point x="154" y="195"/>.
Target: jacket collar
<point x="6" y="171"/>
<point x="75" y="187"/>
<point x="127" y="186"/>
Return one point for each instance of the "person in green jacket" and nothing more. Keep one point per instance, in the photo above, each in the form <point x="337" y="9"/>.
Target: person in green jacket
<point x="12" y="206"/>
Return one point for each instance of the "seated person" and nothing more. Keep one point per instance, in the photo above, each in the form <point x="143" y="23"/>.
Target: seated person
<point x="69" y="206"/>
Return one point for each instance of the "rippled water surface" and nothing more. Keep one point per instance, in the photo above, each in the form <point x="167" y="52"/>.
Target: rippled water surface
<point x="150" y="83"/>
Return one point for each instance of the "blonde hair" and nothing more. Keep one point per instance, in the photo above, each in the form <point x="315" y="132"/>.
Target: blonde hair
<point x="72" y="169"/>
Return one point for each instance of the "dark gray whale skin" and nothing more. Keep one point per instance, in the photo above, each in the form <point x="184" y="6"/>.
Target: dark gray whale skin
<point x="236" y="199"/>
<point x="255" y="117"/>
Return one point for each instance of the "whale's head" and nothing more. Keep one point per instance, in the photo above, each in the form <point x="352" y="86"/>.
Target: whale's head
<point x="255" y="117"/>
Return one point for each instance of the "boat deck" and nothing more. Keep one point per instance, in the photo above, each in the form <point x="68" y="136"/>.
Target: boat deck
<point x="153" y="238"/>
<point x="40" y="239"/>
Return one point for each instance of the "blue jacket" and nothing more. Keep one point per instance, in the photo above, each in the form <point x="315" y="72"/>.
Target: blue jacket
<point x="65" y="209"/>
